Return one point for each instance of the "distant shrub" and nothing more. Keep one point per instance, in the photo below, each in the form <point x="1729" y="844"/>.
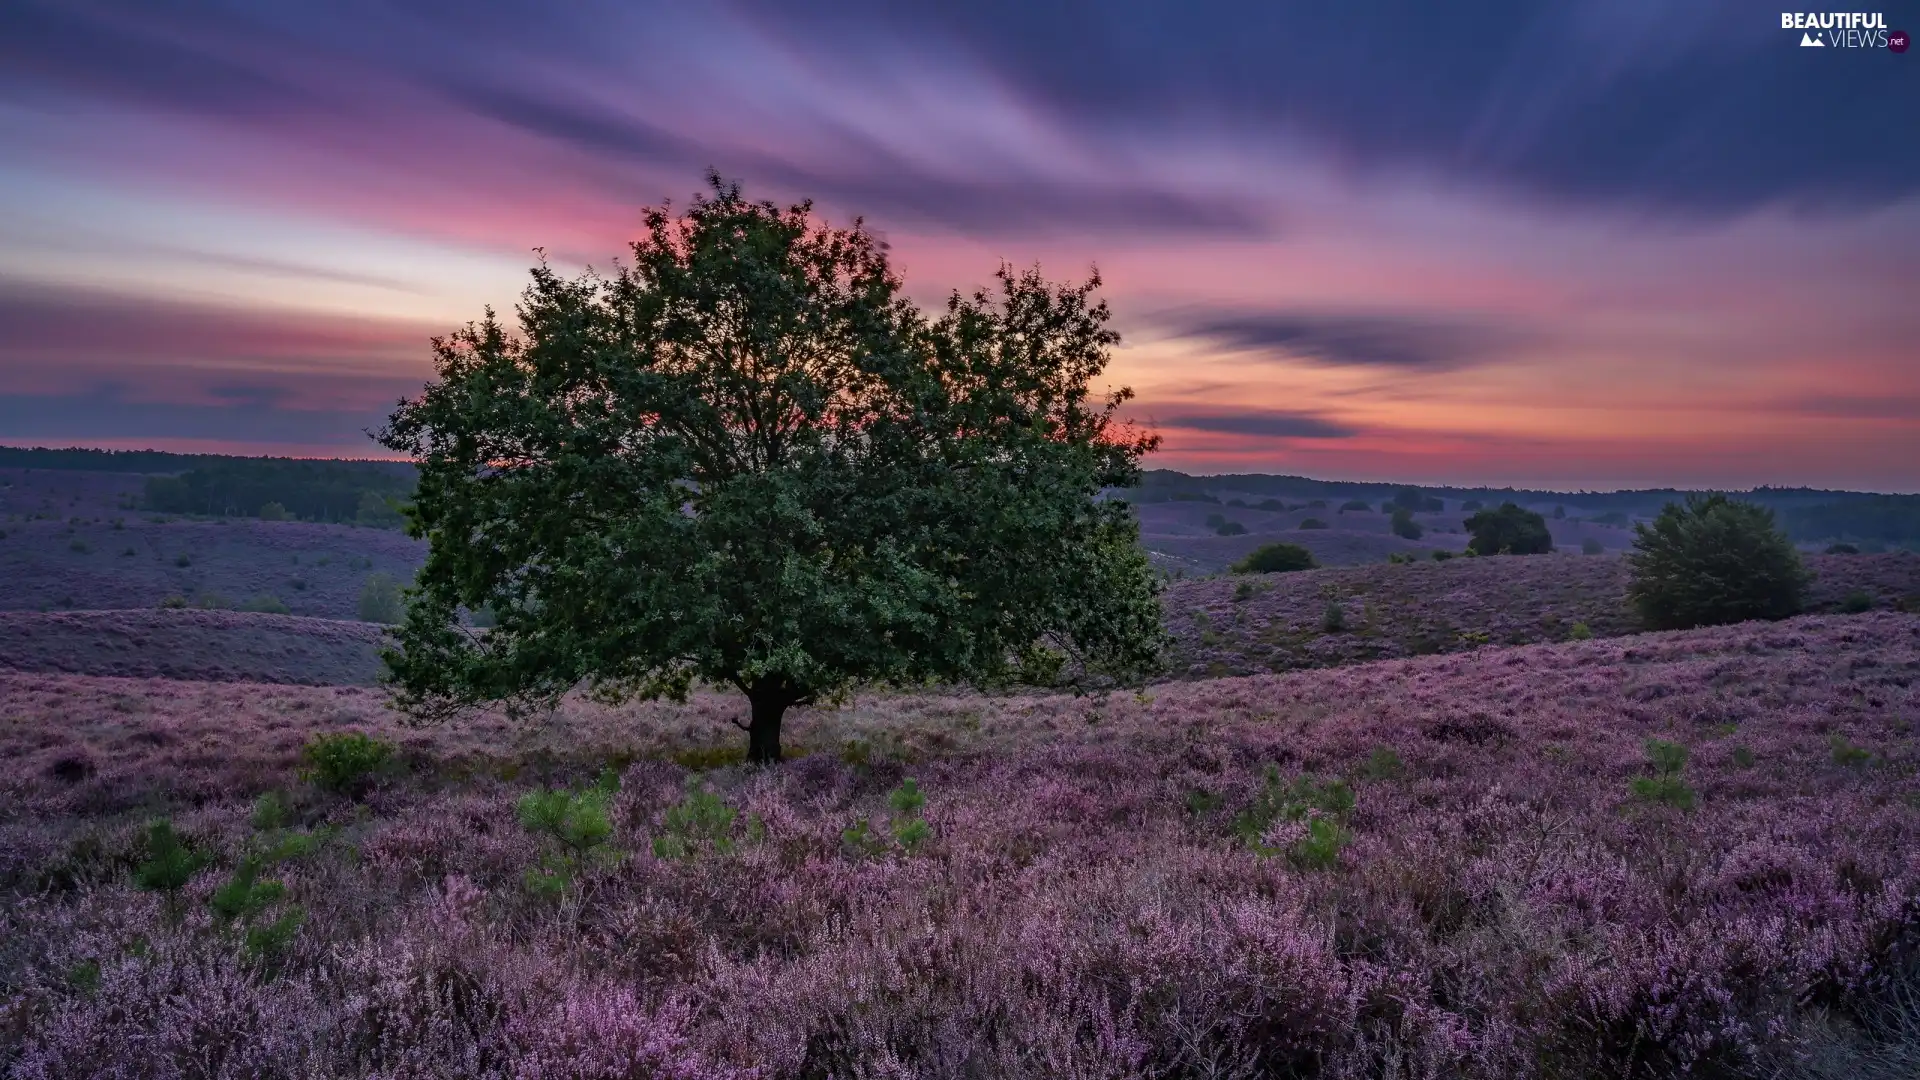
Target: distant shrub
<point x="1666" y="784"/>
<point x="128" y="553"/>
<point x="1334" y="619"/>
<point x="1856" y="602"/>
<point x="1845" y="753"/>
<point x="1230" y="528"/>
<point x="1508" y="530"/>
<point x="80" y="547"/>
<point x="1383" y="764"/>
<point x="346" y="763"/>
<point x="273" y="511"/>
<point x="1711" y="561"/>
<point x="174" y="601"/>
<point x="380" y="600"/>
<point x="1404" y="526"/>
<point x="1274" y="505"/>
<point x="1356" y="504"/>
<point x="211" y="601"/>
<point x="1580" y="632"/>
<point x="183" y="560"/>
<point x="1842" y="549"/>
<point x="1275" y="559"/>
<point x="1470" y="505"/>
<point x="1559" y="513"/>
<point x="1399" y="558"/>
<point x="1413" y="499"/>
<point x="1743" y="757"/>
<point x="267" y="604"/>
<point x="1611" y="517"/>
<point x="1312" y="523"/>
<point x="1590" y="546"/>
<point x="1442" y="555"/>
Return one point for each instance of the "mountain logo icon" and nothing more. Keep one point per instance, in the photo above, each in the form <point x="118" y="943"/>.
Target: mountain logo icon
<point x="1809" y="41"/>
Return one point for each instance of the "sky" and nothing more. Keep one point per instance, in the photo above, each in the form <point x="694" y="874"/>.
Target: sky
<point x="1582" y="245"/>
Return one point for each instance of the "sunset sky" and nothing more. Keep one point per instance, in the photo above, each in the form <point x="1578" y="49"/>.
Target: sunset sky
<point x="1585" y="245"/>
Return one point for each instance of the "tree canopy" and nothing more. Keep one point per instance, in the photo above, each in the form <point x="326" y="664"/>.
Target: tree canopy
<point x="744" y="458"/>
<point x="1714" y="560"/>
<point x="1508" y="530"/>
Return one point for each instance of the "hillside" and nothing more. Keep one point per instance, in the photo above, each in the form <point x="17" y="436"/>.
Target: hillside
<point x="1277" y="622"/>
<point x="216" y="646"/>
<point x="1464" y="866"/>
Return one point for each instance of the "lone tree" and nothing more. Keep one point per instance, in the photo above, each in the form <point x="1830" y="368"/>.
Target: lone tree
<point x="1714" y="560"/>
<point x="745" y="459"/>
<point x="1508" y="530"/>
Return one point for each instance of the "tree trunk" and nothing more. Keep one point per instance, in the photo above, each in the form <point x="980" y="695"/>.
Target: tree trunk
<point x="769" y="704"/>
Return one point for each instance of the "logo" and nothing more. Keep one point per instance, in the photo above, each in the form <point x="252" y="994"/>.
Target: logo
<point x="1843" y="30"/>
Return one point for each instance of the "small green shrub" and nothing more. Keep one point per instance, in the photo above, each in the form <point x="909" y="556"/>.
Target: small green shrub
<point x="1580" y="632"/>
<point x="1383" y="764"/>
<point x="175" y="601"/>
<point x="380" y="600"/>
<point x="267" y="604"/>
<point x="1356" y="504"/>
<point x="183" y="560"/>
<point x="1743" y="757"/>
<point x="1321" y="805"/>
<point x="700" y="821"/>
<point x="273" y="511"/>
<point x="169" y="863"/>
<point x="1334" y="619"/>
<point x="1856" y="602"/>
<point x="346" y="763"/>
<point x="80" y="547"/>
<point x="1442" y="555"/>
<point x="1275" y="559"/>
<point x="1846" y="754"/>
<point x="908" y="829"/>
<point x="1712" y="561"/>
<point x="1666" y="786"/>
<point x="1312" y="523"/>
<point x="1230" y="528"/>
<point x="1590" y="546"/>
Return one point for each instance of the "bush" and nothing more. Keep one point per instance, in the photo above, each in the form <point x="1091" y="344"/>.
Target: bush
<point x="1312" y="523"/>
<point x="1230" y="528"/>
<point x="1442" y="555"/>
<point x="1856" y="602"/>
<point x="174" y="601"/>
<point x="1356" y="504"/>
<point x="1842" y="549"/>
<point x="1275" y="559"/>
<point x="266" y="603"/>
<point x="1666" y="784"/>
<point x="273" y="511"/>
<point x="1580" y="632"/>
<point x="1590" y="546"/>
<point x="1713" y="561"/>
<point x="1334" y="619"/>
<point x="380" y="600"/>
<point x="1559" y="513"/>
<point x="346" y="763"/>
<point x="1404" y="526"/>
<point x="1275" y="505"/>
<point x="1508" y="530"/>
<point x="80" y="547"/>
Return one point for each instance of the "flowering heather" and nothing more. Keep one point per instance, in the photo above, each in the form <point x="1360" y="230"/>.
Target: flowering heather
<point x="1432" y="867"/>
<point x="1248" y="623"/>
<point x="239" y="646"/>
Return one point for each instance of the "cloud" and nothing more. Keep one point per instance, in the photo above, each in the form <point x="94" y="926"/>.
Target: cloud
<point x="1407" y="342"/>
<point x="1262" y="423"/>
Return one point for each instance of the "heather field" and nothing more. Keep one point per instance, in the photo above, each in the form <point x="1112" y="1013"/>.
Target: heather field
<point x="1641" y="856"/>
<point x="220" y="646"/>
<point x="1280" y="622"/>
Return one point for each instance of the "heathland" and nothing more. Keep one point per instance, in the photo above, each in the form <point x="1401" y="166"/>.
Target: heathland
<point x="1453" y="818"/>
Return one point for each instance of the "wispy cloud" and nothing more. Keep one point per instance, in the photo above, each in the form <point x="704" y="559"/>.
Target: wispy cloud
<point x="1260" y="423"/>
<point x="1411" y="342"/>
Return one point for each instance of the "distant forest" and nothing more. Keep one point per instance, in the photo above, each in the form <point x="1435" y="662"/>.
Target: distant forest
<point x="1807" y="514"/>
<point x="371" y="492"/>
<point x="215" y="485"/>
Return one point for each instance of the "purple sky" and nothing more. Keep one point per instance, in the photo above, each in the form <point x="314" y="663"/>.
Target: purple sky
<point x="1597" y="244"/>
